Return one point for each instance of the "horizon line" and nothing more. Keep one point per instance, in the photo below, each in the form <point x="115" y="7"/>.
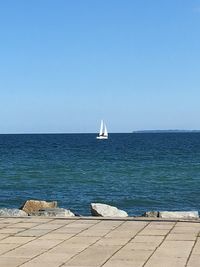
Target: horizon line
<point x="134" y="131"/>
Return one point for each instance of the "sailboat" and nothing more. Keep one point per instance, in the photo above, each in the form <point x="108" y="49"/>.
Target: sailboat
<point x="103" y="133"/>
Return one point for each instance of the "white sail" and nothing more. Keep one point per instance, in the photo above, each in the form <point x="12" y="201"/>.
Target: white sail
<point x="101" y="128"/>
<point x="105" y="131"/>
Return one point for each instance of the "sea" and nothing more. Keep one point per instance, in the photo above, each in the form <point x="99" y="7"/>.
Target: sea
<point x="136" y="172"/>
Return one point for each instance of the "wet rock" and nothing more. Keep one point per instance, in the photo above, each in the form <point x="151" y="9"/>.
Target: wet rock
<point x="56" y="212"/>
<point x="179" y="214"/>
<point x="103" y="210"/>
<point x="12" y="213"/>
<point x="77" y="214"/>
<point x="34" y="205"/>
<point x="151" y="214"/>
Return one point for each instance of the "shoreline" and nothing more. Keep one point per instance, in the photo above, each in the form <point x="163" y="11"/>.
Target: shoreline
<point x="41" y="208"/>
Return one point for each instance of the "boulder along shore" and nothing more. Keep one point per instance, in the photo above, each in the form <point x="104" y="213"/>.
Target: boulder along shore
<point x="51" y="209"/>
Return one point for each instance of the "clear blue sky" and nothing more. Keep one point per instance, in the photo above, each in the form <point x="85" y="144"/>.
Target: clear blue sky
<point x="65" y="64"/>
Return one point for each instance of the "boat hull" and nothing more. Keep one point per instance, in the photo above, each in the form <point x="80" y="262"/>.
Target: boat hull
<point x="102" y="137"/>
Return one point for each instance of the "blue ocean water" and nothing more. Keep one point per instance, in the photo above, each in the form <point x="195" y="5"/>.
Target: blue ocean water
<point x="135" y="172"/>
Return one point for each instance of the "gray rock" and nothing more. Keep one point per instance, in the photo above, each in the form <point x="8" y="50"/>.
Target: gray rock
<point x="151" y="214"/>
<point x="34" y="205"/>
<point x="179" y="214"/>
<point x="56" y="212"/>
<point x="12" y="213"/>
<point x="103" y="210"/>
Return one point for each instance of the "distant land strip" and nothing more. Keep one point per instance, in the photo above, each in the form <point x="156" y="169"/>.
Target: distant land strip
<point x="167" y="131"/>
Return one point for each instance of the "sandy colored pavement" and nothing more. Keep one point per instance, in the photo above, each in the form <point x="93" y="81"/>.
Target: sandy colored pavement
<point x="53" y="242"/>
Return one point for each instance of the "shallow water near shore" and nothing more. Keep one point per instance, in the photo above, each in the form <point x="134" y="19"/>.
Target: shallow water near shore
<point x="135" y="172"/>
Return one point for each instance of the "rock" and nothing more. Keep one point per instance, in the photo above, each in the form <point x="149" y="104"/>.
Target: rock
<point x="35" y="205"/>
<point x="77" y="214"/>
<point x="152" y="214"/>
<point x="179" y="214"/>
<point x="56" y="212"/>
<point x="12" y="213"/>
<point x="103" y="210"/>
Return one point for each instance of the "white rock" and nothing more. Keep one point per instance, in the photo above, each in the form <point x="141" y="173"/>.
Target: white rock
<point x="179" y="214"/>
<point x="103" y="210"/>
<point x="12" y="213"/>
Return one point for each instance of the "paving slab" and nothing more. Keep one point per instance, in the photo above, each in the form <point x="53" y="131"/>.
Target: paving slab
<point x="99" y="242"/>
<point x="11" y="261"/>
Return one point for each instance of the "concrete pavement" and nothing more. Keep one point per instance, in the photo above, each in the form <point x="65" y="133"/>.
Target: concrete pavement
<point x="98" y="242"/>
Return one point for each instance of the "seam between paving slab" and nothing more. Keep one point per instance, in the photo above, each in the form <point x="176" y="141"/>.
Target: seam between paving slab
<point x="34" y="239"/>
<point x="159" y="245"/>
<point x="59" y="243"/>
<point x="91" y="244"/>
<point x="14" y="234"/>
<point x="192" y="250"/>
<point x="28" y="236"/>
<point x="15" y="223"/>
<point x="125" y="244"/>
